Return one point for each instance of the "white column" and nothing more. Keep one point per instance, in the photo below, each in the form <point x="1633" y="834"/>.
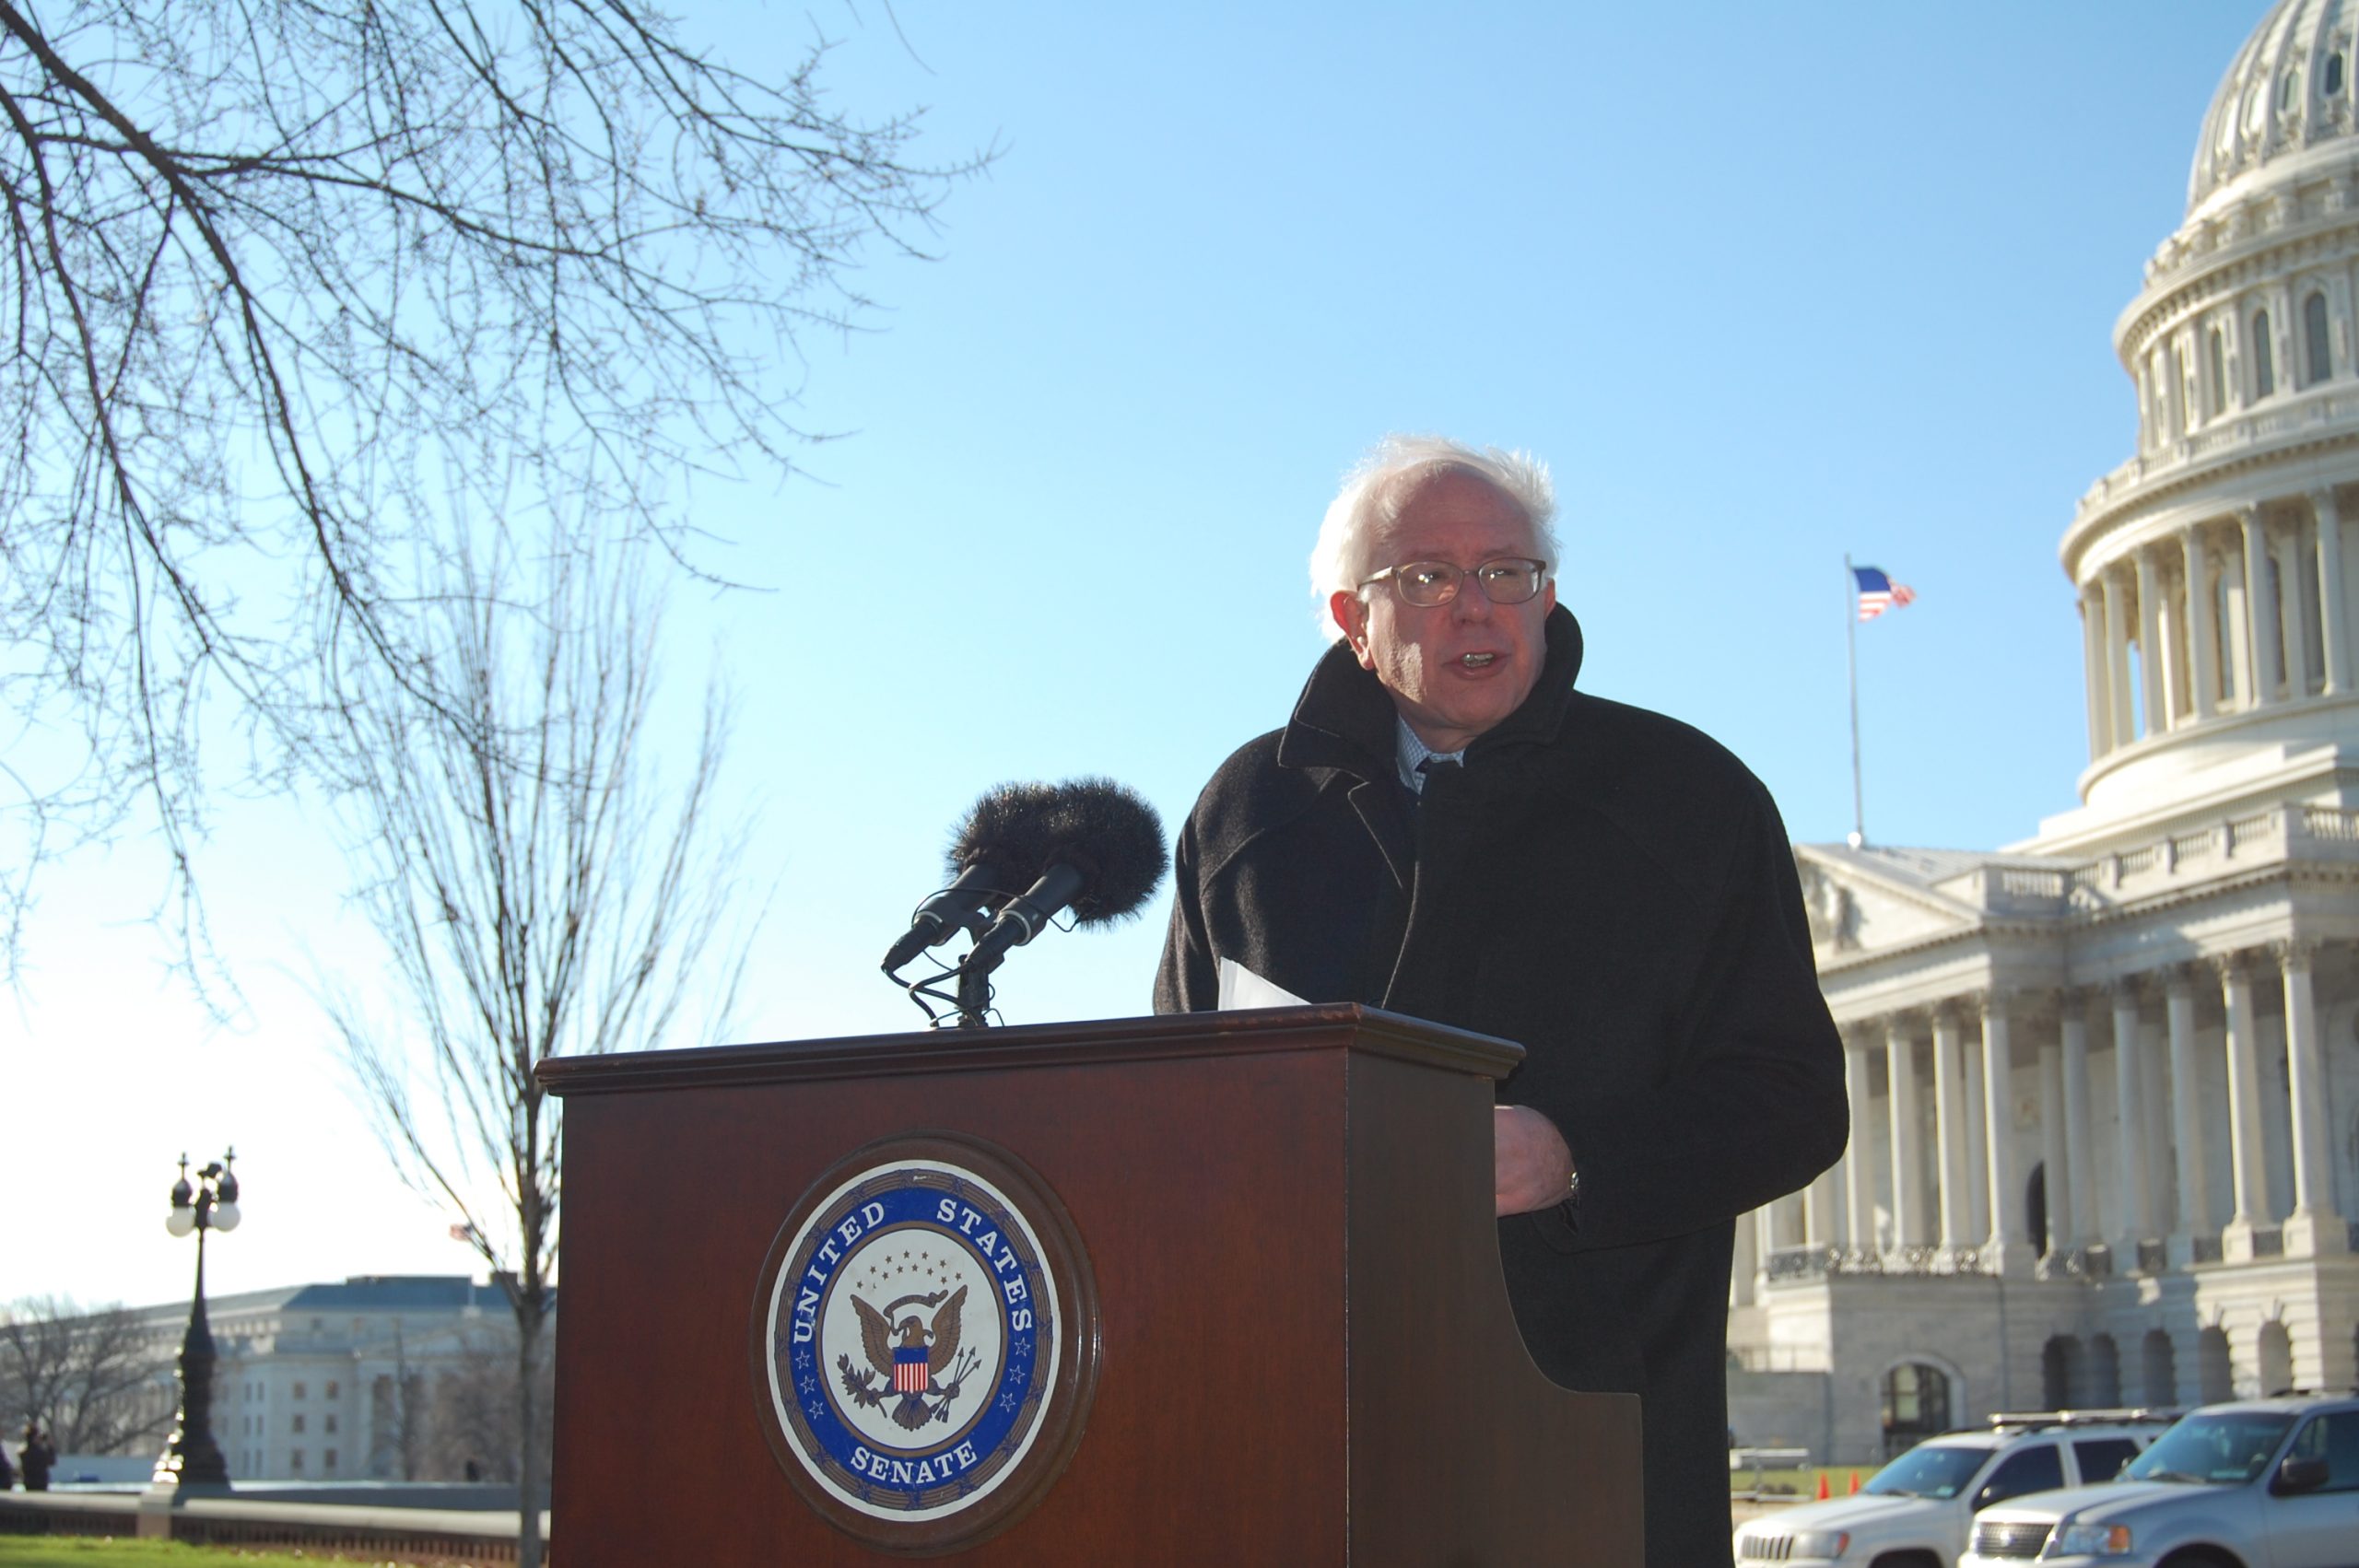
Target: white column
<point x="2245" y="1158"/>
<point x="1859" y="1177"/>
<point x="2287" y="548"/>
<point x="2199" y="630"/>
<point x="1949" y="1128"/>
<point x="2129" y="1101"/>
<point x="1818" y="1210"/>
<point x="2093" y="653"/>
<point x="2051" y="1151"/>
<point x="1908" y="1179"/>
<point x="2080" y="1165"/>
<point x="2194" y="1217"/>
<point x="2334" y="601"/>
<point x="2235" y="638"/>
<point x="2116" y="660"/>
<point x="2153" y="659"/>
<point x="2314" y="1227"/>
<point x="1744" y="1268"/>
<point x="2004" y="1251"/>
<point x="2260" y="610"/>
<point x="1975" y="1220"/>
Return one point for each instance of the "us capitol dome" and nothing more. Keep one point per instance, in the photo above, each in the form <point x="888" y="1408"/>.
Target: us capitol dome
<point x="2211" y="567"/>
<point x="2105" y="1082"/>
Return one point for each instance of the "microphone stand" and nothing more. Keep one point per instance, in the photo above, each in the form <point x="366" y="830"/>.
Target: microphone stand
<point x="974" y="996"/>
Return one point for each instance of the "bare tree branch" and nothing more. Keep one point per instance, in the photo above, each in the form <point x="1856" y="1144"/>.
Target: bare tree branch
<point x="285" y="286"/>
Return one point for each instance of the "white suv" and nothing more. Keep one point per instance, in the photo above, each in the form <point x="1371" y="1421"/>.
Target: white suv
<point x="1917" y="1509"/>
<point x="2272" y="1481"/>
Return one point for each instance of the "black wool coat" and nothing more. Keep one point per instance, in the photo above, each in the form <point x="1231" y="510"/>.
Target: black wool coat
<point x="1613" y="891"/>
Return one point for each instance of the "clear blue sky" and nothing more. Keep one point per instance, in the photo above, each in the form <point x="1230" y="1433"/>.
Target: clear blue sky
<point x="1764" y="284"/>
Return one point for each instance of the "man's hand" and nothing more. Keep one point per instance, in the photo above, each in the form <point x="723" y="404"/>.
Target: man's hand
<point x="1530" y="1166"/>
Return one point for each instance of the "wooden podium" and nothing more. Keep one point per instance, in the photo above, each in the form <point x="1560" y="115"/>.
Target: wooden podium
<point x="1295" y="1345"/>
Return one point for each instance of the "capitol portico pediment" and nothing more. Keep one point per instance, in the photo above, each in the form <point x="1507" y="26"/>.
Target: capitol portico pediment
<point x="1856" y="909"/>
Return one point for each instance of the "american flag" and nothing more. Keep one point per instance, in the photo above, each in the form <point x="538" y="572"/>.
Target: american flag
<point x="1879" y="592"/>
<point x="910" y="1373"/>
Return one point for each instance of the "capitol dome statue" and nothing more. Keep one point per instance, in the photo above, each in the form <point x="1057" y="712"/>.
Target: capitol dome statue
<point x="2105" y="1082"/>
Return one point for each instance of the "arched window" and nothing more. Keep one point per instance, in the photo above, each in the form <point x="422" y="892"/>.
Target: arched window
<point x="2215" y="353"/>
<point x="2264" y="357"/>
<point x="2158" y="1382"/>
<point x="2332" y="83"/>
<point x="2036" y="1211"/>
<point x="1916" y="1406"/>
<point x="2214" y="1381"/>
<point x="2104" y="1372"/>
<point x="2060" y="1373"/>
<point x="2317" y="362"/>
<point x="2289" y="87"/>
<point x="2275" y="1352"/>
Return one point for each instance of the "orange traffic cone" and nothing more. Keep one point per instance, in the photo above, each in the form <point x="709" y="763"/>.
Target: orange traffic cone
<point x="1823" y="1491"/>
<point x="1855" y="1481"/>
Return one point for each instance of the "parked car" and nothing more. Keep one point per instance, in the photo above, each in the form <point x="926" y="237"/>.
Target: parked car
<point x="2255" y="1481"/>
<point x="1917" y="1509"/>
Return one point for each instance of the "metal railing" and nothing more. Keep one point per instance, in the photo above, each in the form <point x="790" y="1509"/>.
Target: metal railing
<point x="2096" y="885"/>
<point x="439" y="1538"/>
<point x="2024" y="882"/>
<point x="1789" y="1265"/>
<point x="1795" y="1263"/>
<point x="2303" y="415"/>
<point x="2077" y="1263"/>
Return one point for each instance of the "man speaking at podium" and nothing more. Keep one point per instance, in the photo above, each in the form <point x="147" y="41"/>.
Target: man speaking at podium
<point x="1448" y="828"/>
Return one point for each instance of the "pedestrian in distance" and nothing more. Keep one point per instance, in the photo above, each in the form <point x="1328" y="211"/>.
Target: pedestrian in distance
<point x="34" y="1457"/>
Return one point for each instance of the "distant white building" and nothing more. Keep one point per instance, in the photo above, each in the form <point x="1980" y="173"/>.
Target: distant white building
<point x="382" y="1377"/>
<point x="2104" y="1082"/>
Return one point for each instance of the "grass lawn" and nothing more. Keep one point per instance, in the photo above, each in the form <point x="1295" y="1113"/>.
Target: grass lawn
<point x="107" y="1551"/>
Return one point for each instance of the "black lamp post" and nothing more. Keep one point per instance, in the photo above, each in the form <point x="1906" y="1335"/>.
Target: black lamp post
<point x="210" y="1203"/>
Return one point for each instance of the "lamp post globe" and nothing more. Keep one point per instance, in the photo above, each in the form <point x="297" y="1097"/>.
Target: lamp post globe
<point x="191" y="1461"/>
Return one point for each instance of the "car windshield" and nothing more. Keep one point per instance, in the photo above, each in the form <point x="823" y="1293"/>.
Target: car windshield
<point x="1929" y="1471"/>
<point x="2223" y="1448"/>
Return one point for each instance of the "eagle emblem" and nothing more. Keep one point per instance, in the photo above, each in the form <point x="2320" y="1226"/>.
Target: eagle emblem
<point x="915" y="1361"/>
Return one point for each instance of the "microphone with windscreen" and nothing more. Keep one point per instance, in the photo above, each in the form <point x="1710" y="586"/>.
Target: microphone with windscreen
<point x="1000" y="847"/>
<point x="1103" y="858"/>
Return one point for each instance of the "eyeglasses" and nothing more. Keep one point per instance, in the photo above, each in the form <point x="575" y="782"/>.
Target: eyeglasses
<point x="1510" y="580"/>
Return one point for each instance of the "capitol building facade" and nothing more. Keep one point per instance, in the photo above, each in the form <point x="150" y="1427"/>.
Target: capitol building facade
<point x="2104" y="1082"/>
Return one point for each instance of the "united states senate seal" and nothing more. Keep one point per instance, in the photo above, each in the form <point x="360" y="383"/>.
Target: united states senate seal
<point x="925" y="1343"/>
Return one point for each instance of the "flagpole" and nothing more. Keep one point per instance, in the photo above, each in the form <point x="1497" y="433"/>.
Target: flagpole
<point x="1851" y="666"/>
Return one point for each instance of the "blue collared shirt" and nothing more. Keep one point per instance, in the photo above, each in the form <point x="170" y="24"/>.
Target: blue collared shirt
<point x="1409" y="753"/>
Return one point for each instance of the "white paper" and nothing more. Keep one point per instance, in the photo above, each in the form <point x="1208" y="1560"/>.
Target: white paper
<point x="1241" y="987"/>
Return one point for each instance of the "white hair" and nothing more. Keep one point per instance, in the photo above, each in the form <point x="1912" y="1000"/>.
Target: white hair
<point x="1374" y="493"/>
